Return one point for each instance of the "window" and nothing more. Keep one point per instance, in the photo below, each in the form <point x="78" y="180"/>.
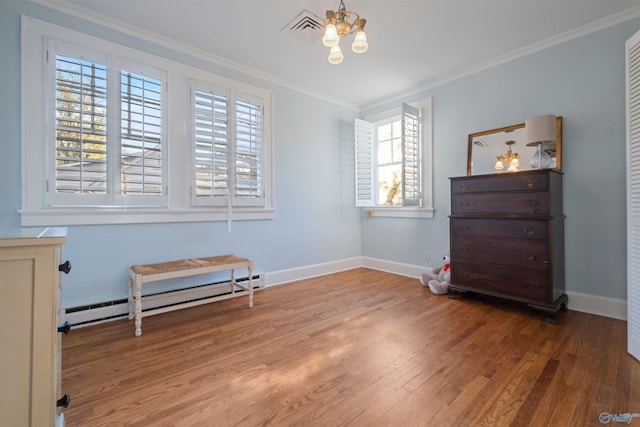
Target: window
<point x="108" y="134"/>
<point x="393" y="162"/>
<point x="98" y="128"/>
<point x="228" y="147"/>
<point x="81" y="126"/>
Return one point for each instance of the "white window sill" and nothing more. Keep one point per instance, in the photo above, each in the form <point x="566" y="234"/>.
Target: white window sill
<point x="399" y="212"/>
<point x="87" y="216"/>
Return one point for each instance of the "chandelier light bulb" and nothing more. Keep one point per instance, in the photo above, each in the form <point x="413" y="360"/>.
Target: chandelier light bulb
<point x="330" y="38"/>
<point x="360" y="44"/>
<point x="513" y="165"/>
<point x="335" y="55"/>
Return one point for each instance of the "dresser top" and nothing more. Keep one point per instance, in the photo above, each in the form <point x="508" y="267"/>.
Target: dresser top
<point x="506" y="174"/>
<point x="32" y="236"/>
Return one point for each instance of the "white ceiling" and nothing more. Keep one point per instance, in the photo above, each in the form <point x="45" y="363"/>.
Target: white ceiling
<point x="412" y="43"/>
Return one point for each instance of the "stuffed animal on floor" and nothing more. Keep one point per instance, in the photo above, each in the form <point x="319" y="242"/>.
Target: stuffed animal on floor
<point x="438" y="280"/>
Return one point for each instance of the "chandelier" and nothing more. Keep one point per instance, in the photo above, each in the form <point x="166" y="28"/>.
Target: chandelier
<point x="510" y="158"/>
<point x="341" y="23"/>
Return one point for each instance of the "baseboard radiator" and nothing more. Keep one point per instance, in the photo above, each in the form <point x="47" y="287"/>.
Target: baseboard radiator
<point x="119" y="309"/>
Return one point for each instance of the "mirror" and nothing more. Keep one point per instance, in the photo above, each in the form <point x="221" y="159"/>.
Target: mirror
<point x="494" y="148"/>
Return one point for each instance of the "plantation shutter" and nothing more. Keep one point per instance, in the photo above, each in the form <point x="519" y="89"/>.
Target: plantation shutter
<point x="81" y="126"/>
<point x="633" y="194"/>
<point x="211" y="144"/>
<point x="364" y="167"/>
<point x="141" y="135"/>
<point x="410" y="125"/>
<point x="248" y="158"/>
<point x="228" y="147"/>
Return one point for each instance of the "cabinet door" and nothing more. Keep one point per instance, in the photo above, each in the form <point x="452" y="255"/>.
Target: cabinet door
<point x="16" y="313"/>
<point x="28" y="280"/>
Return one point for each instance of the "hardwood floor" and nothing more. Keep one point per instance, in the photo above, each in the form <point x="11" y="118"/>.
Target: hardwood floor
<point x="361" y="348"/>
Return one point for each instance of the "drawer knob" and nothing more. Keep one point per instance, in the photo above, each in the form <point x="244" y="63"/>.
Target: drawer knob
<point x="464" y="204"/>
<point x="530" y="256"/>
<point x="532" y="182"/>
<point x="65" y="267"/>
<point x="463" y="187"/>
<point x="63" y="401"/>
<point x="529" y="231"/>
<point x="465" y="228"/>
<point x="65" y="327"/>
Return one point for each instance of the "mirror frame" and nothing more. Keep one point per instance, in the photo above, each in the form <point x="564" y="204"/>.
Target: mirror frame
<point x="511" y="128"/>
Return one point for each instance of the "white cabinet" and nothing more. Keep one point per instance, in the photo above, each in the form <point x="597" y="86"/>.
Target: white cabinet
<point x="29" y="316"/>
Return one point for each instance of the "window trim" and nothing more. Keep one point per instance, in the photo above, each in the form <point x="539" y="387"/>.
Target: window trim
<point x="178" y="208"/>
<point x="426" y="210"/>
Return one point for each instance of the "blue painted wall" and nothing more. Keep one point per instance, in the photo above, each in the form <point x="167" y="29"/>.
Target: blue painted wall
<point x="315" y="222"/>
<point x="582" y="80"/>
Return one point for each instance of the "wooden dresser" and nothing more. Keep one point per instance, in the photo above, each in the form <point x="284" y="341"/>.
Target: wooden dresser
<point x="30" y="313"/>
<point x="507" y="237"/>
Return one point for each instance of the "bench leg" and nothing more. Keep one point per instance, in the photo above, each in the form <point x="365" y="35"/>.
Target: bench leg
<point x="138" y="298"/>
<point x="250" y="268"/>
<point x="130" y="300"/>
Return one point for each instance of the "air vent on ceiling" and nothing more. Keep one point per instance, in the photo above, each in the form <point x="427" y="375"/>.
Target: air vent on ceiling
<point x="306" y="26"/>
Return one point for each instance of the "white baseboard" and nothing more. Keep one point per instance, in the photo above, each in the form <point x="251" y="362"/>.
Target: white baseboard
<point x="118" y="310"/>
<point x="282" y="277"/>
<point x="587" y="303"/>
<point x="601" y="306"/>
<point x="399" y="268"/>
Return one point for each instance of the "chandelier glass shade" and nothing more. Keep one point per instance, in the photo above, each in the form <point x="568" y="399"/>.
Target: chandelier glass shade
<point x="341" y="23"/>
<point x="510" y="158"/>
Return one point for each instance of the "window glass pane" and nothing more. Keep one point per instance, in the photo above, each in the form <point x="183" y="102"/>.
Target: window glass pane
<point x="396" y="129"/>
<point x="384" y="132"/>
<point x="389" y="163"/>
<point x="141" y="132"/>
<point x="81" y="120"/>
<point x="397" y="150"/>
<point x="384" y="153"/>
<point x="390" y="185"/>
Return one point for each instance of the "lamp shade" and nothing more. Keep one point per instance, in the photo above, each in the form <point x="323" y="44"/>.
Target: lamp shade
<point x="540" y="129"/>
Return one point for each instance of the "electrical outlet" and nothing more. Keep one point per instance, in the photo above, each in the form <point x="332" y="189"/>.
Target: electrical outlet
<point x="427" y="256"/>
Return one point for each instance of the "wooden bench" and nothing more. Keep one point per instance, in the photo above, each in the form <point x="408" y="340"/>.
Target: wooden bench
<point x="139" y="274"/>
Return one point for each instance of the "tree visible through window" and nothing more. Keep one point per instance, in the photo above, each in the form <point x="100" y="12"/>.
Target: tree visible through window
<point x="81" y="126"/>
<point x="389" y="163"/>
<point x="97" y="136"/>
<point x="389" y="160"/>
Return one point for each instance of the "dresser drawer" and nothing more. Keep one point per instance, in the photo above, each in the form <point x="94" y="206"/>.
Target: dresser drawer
<point x="499" y="227"/>
<point x="523" y="284"/>
<point x="510" y="253"/>
<point x="531" y="203"/>
<point x="518" y="181"/>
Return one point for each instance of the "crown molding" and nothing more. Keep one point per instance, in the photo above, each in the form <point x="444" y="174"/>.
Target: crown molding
<point x="577" y="32"/>
<point x="158" y="39"/>
<point x="597" y="25"/>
